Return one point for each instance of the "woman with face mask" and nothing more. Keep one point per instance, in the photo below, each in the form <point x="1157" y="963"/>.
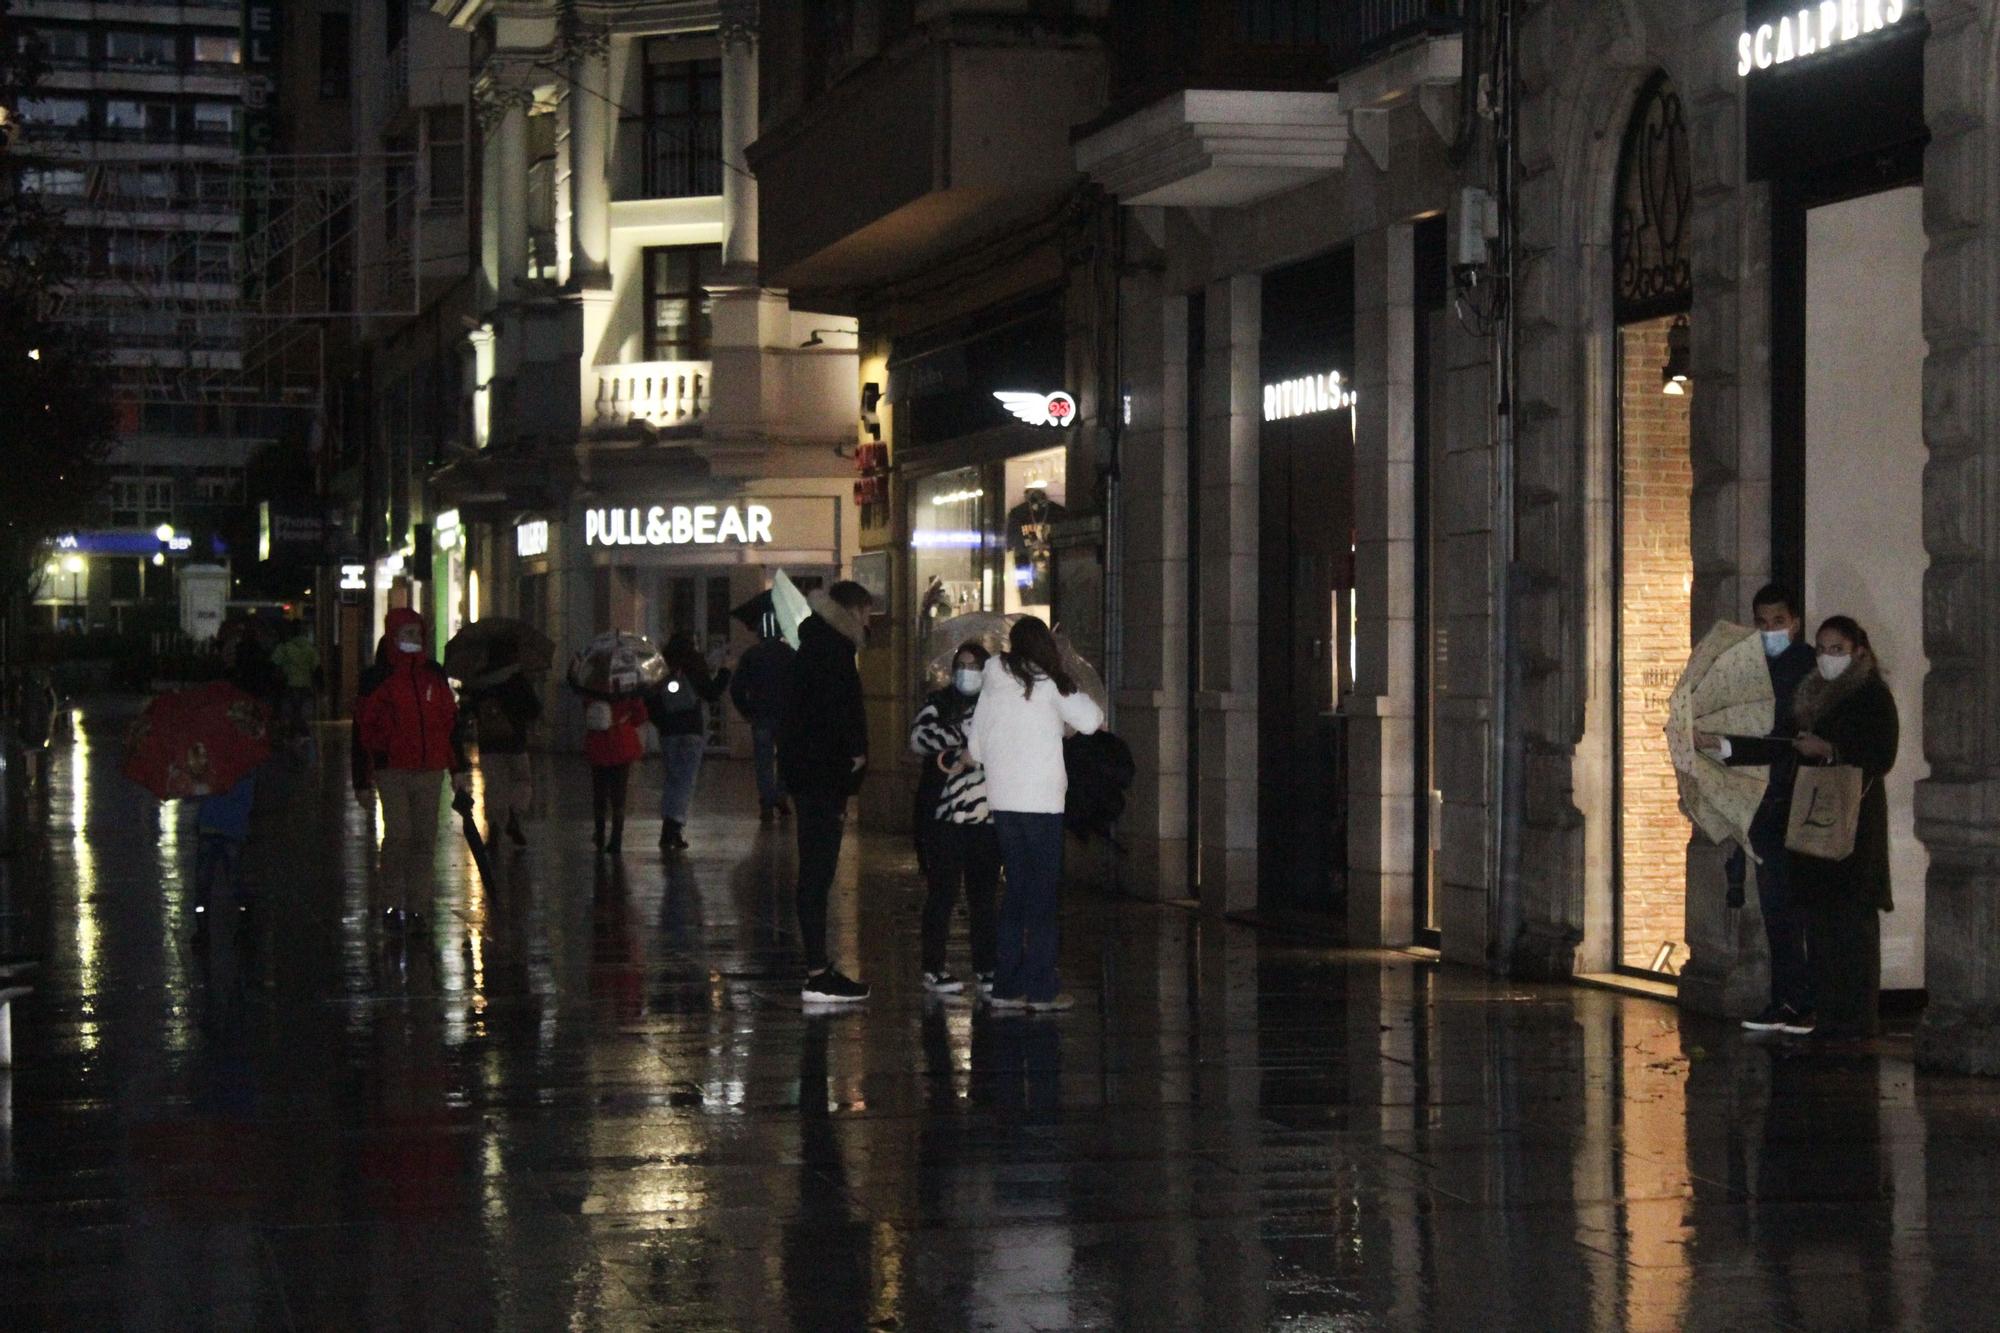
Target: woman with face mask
<point x="955" y="827"/>
<point x="1846" y="715"/>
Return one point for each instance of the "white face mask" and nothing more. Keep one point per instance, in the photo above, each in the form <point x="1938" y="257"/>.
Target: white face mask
<point x="1833" y="668"/>
<point x="968" y="680"/>
<point x="410" y="645"/>
<point x="1776" y="641"/>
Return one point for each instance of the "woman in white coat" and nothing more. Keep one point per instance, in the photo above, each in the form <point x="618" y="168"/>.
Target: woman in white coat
<point x="1026" y="702"/>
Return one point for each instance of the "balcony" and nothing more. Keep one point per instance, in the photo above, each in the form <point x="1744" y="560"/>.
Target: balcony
<point x="901" y="161"/>
<point x="660" y="395"/>
<point x="1205" y="148"/>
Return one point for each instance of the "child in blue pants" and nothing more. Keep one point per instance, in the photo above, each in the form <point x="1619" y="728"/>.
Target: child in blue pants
<point x="222" y="826"/>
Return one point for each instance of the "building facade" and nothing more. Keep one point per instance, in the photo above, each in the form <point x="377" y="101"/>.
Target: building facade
<point x="1438" y="377"/>
<point x="654" y="430"/>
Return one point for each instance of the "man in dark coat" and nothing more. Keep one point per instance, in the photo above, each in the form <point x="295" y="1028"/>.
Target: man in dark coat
<point x="822" y="752"/>
<point x="763" y="675"/>
<point x="1790" y="660"/>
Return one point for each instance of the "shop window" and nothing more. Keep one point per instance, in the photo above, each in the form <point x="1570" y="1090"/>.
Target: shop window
<point x="683" y="139"/>
<point x="1034" y="492"/>
<point x="949" y="546"/>
<point x="678" y="315"/>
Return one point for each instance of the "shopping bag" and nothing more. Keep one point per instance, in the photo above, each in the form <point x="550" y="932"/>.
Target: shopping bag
<point x="1826" y="811"/>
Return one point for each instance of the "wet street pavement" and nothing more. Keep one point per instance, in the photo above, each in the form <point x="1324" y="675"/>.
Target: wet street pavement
<point x="592" y="1101"/>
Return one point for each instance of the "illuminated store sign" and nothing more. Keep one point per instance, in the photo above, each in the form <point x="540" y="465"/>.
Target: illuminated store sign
<point x="1039" y="409"/>
<point x="354" y="578"/>
<point x="1306" y="396"/>
<point x="678" y="525"/>
<point x="532" y="538"/>
<point x="1815" y="28"/>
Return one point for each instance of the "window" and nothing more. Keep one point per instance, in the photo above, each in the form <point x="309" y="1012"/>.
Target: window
<point x="214" y="259"/>
<point x="64" y="46"/>
<point x="683" y="125"/>
<point x="215" y="122"/>
<point x="138" y="502"/>
<point x="152" y="122"/>
<point x="136" y="252"/>
<point x="444" y="146"/>
<point x="53" y="182"/>
<point x="336" y="58"/>
<point x="215" y="489"/>
<point x="677" y="303"/>
<point x="141" y="48"/>
<point x="217" y="49"/>
<point x="56" y="113"/>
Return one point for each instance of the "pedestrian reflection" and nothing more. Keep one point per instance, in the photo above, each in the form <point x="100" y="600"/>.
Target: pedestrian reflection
<point x="681" y="985"/>
<point x="617" y="954"/>
<point x="1017" y="1062"/>
<point x="827" y="1250"/>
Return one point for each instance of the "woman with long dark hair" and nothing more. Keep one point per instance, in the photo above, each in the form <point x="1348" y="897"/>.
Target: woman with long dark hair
<point x="1846" y="715"/>
<point x="679" y="712"/>
<point x="956" y="828"/>
<point x="1026" y="702"/>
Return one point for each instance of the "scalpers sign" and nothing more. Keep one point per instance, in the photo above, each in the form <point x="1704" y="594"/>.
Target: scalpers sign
<point x="1815" y="28"/>
<point x="678" y="525"/>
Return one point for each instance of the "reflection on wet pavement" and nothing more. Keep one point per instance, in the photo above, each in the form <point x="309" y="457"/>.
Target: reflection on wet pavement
<point x="591" y="1100"/>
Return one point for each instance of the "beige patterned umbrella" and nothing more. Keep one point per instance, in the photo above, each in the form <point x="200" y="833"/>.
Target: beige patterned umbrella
<point x="1725" y="690"/>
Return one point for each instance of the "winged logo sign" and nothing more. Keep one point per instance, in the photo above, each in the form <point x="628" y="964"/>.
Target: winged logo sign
<point x="1039" y="409"/>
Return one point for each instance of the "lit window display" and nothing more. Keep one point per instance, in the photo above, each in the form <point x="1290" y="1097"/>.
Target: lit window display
<point x="948" y="546"/>
<point x="1034" y="496"/>
<point x="983" y="538"/>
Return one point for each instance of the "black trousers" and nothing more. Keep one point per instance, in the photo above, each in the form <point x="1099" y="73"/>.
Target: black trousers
<point x="607" y="796"/>
<point x="955" y="853"/>
<point x="1844" y="950"/>
<point x="820" y="818"/>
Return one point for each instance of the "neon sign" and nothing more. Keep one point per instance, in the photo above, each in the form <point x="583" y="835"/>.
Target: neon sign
<point x="678" y="525"/>
<point x="1306" y="396"/>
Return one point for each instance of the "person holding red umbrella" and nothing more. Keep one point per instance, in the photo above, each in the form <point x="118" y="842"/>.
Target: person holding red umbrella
<point x="408" y="726"/>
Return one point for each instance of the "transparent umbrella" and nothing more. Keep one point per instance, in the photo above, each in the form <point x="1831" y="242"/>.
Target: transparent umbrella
<point x="991" y="629"/>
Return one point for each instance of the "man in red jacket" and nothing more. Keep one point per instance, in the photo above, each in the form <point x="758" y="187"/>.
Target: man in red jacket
<point x="408" y="725"/>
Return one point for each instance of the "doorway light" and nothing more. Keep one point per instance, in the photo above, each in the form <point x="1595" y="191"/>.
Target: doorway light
<point x="1674" y="375"/>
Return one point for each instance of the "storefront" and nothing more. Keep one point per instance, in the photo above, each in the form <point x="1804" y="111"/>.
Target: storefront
<point x="983" y="420"/>
<point x="1838" y="130"/>
<point x="661" y="562"/>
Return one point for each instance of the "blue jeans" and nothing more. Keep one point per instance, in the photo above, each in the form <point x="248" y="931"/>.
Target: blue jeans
<point x="1031" y="848"/>
<point x="681" y="756"/>
<point x="764" y="748"/>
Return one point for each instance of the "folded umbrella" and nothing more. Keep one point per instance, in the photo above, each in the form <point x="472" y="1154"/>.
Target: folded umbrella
<point x="617" y="665"/>
<point x="474" y="840"/>
<point x="495" y="645"/>
<point x="1725" y="690"/>
<point x="197" y="742"/>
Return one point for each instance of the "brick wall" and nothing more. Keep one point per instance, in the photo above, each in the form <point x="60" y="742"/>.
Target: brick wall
<point x="1656" y="568"/>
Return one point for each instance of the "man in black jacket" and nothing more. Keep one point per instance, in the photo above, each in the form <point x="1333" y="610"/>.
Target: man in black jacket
<point x="1776" y="609"/>
<point x="763" y="675"/>
<point x="822" y="752"/>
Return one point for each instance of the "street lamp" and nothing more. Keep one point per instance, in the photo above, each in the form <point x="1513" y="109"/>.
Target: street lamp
<point x="165" y="532"/>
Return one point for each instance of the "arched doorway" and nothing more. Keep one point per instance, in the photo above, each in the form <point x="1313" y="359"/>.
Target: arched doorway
<point x="1653" y="493"/>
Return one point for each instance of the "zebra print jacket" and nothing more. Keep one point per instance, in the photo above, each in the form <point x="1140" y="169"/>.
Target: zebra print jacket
<point x="962" y="796"/>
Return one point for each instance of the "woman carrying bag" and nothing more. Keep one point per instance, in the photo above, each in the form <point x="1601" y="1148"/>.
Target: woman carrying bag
<point x="1025" y="702"/>
<point x="1838" y="832"/>
<point x="679" y="712"/>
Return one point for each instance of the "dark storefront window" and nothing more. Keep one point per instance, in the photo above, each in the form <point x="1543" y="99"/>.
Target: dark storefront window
<point x="683" y="125"/>
<point x="678" y="315"/>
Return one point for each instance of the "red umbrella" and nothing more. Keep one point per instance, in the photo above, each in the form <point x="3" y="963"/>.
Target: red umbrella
<point x="197" y="742"/>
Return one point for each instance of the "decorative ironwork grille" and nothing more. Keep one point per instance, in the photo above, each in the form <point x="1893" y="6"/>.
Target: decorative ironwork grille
<point x="1655" y="206"/>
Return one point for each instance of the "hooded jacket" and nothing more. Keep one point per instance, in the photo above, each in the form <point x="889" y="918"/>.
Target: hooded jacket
<point x="409" y="720"/>
<point x="825" y="727"/>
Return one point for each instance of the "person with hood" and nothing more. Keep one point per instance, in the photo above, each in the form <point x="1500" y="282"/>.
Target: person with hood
<point x="611" y="745"/>
<point x="222" y="819"/>
<point x="1791" y="662"/>
<point x="504" y="707"/>
<point x="679" y="713"/>
<point x="408" y="727"/>
<point x="1026" y="703"/>
<point x="955" y="826"/>
<point x="758" y="691"/>
<point x="822" y="753"/>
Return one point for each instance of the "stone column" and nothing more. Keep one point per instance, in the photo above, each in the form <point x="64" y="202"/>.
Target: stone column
<point x="589" y="159"/>
<point x="739" y="130"/>
<point x="1230" y="425"/>
<point x="510" y="190"/>
<point x="1958" y="807"/>
<point x="1382" y="709"/>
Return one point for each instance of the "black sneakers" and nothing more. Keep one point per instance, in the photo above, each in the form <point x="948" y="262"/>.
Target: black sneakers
<point x="830" y="987"/>
<point x="943" y="983"/>
<point x="1781" y="1018"/>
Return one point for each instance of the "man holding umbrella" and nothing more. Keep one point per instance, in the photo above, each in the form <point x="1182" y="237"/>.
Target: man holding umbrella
<point x="408" y="725"/>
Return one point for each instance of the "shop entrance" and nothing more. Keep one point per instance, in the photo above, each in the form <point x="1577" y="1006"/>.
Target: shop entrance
<point x="1305" y="589"/>
<point x="1653" y="496"/>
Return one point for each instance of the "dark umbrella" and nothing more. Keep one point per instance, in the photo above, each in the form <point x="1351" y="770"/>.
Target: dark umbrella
<point x="496" y="643"/>
<point x="753" y="613"/>
<point x="462" y="803"/>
